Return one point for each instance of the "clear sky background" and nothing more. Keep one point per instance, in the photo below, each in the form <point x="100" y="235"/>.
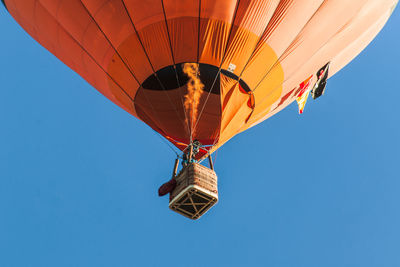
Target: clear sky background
<point x="79" y="176"/>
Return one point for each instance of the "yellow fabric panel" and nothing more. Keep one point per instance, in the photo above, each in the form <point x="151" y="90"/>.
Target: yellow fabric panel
<point x="234" y="108"/>
<point x="288" y="20"/>
<point x="343" y="40"/>
<point x="250" y="23"/>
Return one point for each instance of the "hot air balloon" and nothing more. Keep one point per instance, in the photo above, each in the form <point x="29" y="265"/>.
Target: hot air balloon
<point x="199" y="72"/>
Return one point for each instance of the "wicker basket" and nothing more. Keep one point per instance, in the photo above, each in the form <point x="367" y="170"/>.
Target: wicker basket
<point x="196" y="191"/>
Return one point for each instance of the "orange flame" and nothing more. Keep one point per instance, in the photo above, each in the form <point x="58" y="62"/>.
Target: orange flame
<point x="195" y="90"/>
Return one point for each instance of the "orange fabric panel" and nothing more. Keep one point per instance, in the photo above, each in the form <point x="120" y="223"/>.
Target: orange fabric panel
<point x="23" y="17"/>
<point x="94" y="74"/>
<point x="25" y="10"/>
<point x="222" y="10"/>
<point x="51" y="6"/>
<point x="156" y="43"/>
<point x="216" y="18"/>
<point x="184" y="36"/>
<point x="148" y="18"/>
<point x="45" y="28"/>
<point x="71" y="15"/>
<point x="114" y="21"/>
<point x="183" y="26"/>
<point x="181" y="8"/>
<point x="135" y="58"/>
<point x="145" y="12"/>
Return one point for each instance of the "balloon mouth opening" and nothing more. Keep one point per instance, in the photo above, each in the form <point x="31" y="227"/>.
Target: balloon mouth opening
<point x="173" y="77"/>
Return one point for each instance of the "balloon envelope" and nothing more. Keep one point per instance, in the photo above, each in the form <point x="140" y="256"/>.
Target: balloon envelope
<point x="250" y="56"/>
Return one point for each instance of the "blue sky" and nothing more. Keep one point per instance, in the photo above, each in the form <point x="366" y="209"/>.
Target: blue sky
<point x="79" y="176"/>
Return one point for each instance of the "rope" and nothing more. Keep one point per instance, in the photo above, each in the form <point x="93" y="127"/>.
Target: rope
<point x="166" y="142"/>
